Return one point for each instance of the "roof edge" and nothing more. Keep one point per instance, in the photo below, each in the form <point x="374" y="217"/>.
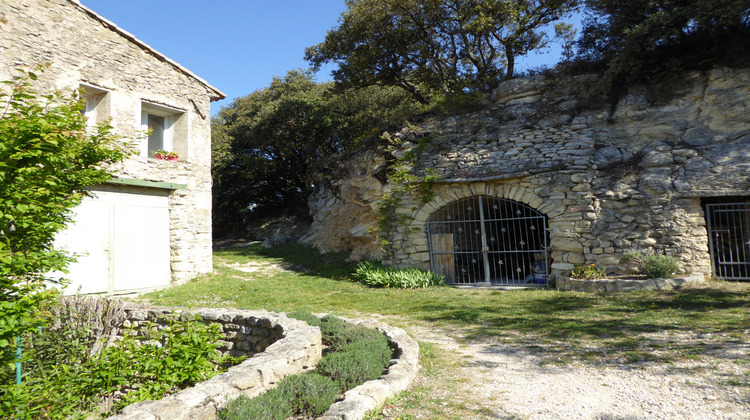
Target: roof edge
<point x="130" y="37"/>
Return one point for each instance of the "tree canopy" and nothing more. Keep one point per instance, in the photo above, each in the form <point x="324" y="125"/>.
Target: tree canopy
<point x="636" y="39"/>
<point x="435" y="46"/>
<point x="267" y="145"/>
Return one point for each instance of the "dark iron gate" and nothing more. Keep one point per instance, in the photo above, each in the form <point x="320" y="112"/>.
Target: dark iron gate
<point x="729" y="239"/>
<point x="489" y="240"/>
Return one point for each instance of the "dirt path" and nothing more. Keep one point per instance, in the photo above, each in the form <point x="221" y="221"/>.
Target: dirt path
<point x="505" y="381"/>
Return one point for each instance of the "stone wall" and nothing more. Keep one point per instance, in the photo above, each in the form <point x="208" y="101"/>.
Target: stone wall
<point x="279" y="346"/>
<point x="82" y="49"/>
<point x="610" y="180"/>
<point x="245" y="333"/>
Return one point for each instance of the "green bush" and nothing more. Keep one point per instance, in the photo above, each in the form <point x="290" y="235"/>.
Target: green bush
<point x="359" y="354"/>
<point x="357" y="363"/>
<point x="375" y="274"/>
<point x="654" y="266"/>
<point x="310" y="394"/>
<point x="48" y="158"/>
<point x="64" y="378"/>
<point x="273" y="405"/>
<point x="337" y="333"/>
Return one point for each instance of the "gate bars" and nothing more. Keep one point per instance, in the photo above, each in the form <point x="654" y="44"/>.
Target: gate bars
<point x="489" y="240"/>
<point x="729" y="239"/>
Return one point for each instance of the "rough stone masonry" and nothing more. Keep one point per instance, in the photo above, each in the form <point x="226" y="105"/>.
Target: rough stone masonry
<point x="610" y="180"/>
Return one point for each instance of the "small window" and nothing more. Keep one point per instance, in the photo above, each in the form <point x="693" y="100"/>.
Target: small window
<point x="157" y="126"/>
<point x="166" y="127"/>
<point x="97" y="104"/>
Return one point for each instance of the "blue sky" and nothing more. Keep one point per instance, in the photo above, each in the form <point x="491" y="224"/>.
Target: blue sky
<point x="238" y="46"/>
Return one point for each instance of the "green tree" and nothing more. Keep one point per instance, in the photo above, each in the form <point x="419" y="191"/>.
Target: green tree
<point x="426" y="47"/>
<point x="47" y="159"/>
<point x="268" y="145"/>
<point x="636" y="40"/>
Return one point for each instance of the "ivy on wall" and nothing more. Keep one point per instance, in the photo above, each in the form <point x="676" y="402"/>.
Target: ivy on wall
<point x="412" y="184"/>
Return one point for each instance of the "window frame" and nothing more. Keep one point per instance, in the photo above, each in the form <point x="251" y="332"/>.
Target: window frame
<point x="171" y="117"/>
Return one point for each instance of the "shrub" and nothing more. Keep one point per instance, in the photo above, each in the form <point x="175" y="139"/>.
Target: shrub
<point x="310" y="394"/>
<point x="357" y="363"/>
<point x="588" y="272"/>
<point x="48" y="158"/>
<point x="359" y="354"/>
<point x="337" y="333"/>
<point x="273" y="405"/>
<point x="374" y="274"/>
<point x="655" y="266"/>
<point x="65" y="378"/>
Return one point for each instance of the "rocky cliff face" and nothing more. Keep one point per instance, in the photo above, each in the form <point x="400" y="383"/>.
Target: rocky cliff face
<point x="630" y="177"/>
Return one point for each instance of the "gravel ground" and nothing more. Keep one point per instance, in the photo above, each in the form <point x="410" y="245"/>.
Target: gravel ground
<point x="510" y="382"/>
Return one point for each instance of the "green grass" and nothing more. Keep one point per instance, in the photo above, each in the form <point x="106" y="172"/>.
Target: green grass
<point x="564" y="326"/>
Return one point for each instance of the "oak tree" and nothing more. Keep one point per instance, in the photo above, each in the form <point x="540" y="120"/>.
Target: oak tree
<point x="435" y="46"/>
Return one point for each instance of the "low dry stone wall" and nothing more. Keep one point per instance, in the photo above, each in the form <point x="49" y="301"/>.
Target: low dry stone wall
<point x="626" y="284"/>
<point x="281" y="346"/>
<point x="245" y="333"/>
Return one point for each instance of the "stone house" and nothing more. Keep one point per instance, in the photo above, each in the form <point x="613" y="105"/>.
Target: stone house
<point x="539" y="182"/>
<point x="151" y="225"/>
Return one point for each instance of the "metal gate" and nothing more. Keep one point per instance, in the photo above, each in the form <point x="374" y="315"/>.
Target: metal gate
<point x="489" y="240"/>
<point x="729" y="239"/>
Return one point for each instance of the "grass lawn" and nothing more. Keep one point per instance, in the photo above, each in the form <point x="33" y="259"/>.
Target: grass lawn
<point x="613" y="328"/>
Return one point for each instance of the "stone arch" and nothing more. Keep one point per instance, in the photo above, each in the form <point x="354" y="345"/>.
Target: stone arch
<point x="454" y="192"/>
<point x="417" y="245"/>
<point x="566" y="223"/>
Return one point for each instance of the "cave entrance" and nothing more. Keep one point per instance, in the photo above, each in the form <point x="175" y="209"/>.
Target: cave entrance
<point x="488" y="240"/>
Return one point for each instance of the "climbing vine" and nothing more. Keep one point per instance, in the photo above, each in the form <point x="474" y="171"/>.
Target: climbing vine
<point x="410" y="185"/>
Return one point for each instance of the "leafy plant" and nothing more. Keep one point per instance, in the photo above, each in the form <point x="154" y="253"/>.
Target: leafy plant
<point x="64" y="379"/>
<point x="357" y="364"/>
<point x="588" y="272"/>
<point x="48" y="157"/>
<point x="306" y="317"/>
<point x="655" y="266"/>
<point x="408" y="185"/>
<point x="375" y="274"/>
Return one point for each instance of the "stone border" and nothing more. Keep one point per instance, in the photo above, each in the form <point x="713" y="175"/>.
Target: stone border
<point x="299" y="348"/>
<point x="371" y="395"/>
<point x="626" y="285"/>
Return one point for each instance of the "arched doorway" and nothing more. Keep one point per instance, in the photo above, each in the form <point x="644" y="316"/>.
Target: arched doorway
<point x="485" y="239"/>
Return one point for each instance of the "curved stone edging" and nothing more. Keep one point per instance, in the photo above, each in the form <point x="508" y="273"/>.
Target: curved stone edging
<point x="372" y="394"/>
<point x="299" y="349"/>
<point x="625" y="285"/>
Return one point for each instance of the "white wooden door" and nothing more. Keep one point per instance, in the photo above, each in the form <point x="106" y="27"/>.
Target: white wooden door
<point x="122" y="239"/>
<point x="90" y="274"/>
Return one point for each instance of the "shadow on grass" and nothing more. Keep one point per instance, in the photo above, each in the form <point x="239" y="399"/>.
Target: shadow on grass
<point x="300" y="258"/>
<point x="616" y="327"/>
